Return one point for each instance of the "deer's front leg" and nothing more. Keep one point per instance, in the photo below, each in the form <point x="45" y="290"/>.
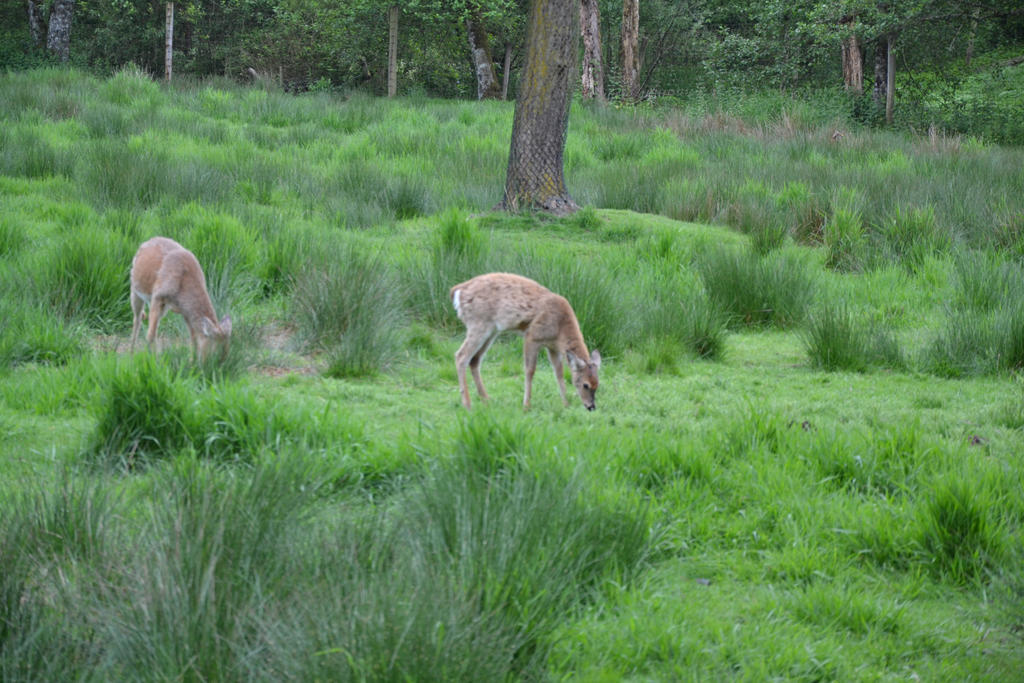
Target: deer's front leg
<point x="556" y="364"/>
<point x="156" y="311"/>
<point x="530" y="351"/>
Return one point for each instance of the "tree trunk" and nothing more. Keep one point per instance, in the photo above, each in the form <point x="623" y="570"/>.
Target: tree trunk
<point x="35" y="23"/>
<point x="536" y="177"/>
<point x="169" y="42"/>
<point x="392" y="50"/>
<point x="881" y="74"/>
<point x="592" y="79"/>
<point x="853" y="65"/>
<point x="58" y="37"/>
<point x="890" y="78"/>
<point x="487" y="87"/>
<point x="630" y="48"/>
<point x="506" y="69"/>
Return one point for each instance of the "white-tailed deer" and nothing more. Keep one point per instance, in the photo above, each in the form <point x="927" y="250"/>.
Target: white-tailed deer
<point x="492" y="303"/>
<point x="166" y="275"/>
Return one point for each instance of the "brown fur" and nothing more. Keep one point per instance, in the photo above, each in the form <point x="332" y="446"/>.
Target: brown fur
<point x="492" y="303"/>
<point x="167" y="276"/>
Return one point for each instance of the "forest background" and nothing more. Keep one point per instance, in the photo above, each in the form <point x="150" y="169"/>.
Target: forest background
<point x="957" y="65"/>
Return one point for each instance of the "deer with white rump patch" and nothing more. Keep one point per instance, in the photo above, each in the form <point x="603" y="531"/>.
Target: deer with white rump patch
<point x="167" y="276"/>
<point x="492" y="303"/>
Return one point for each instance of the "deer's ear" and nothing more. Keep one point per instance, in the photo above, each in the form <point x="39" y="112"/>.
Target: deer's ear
<point x="595" y="359"/>
<point x="575" y="362"/>
<point x="225" y="325"/>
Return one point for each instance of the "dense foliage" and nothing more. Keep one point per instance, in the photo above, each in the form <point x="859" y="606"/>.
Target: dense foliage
<point x="967" y="80"/>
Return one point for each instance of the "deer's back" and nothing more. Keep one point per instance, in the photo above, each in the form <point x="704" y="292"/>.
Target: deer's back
<point x="163" y="264"/>
<point x="509" y="301"/>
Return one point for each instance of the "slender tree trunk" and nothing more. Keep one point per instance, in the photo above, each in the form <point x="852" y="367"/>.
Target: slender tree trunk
<point x="169" y="42"/>
<point x="592" y="78"/>
<point x="630" y="48"/>
<point x="881" y="73"/>
<point x="58" y="37"/>
<point x="975" y="13"/>
<point x="536" y="177"/>
<point x="487" y="87"/>
<point x="890" y="78"/>
<point x="36" y="25"/>
<point x="853" y="65"/>
<point x="392" y="50"/>
<point x="506" y="69"/>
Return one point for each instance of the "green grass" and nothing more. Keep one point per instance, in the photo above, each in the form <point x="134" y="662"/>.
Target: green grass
<point x="805" y="464"/>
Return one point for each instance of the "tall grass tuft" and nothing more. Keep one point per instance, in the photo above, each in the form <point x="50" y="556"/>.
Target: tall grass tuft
<point x="910" y="236"/>
<point x="32" y="333"/>
<point x="846" y="244"/>
<point x="957" y="531"/>
<point x="144" y="412"/>
<point x="215" y="548"/>
<point x="350" y="305"/>
<point x="836" y="339"/>
<point x="458" y="251"/>
<point x="751" y="290"/>
<point x="84" y="277"/>
<point x="525" y="546"/>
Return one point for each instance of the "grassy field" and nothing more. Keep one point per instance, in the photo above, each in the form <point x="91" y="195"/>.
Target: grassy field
<point x="805" y="462"/>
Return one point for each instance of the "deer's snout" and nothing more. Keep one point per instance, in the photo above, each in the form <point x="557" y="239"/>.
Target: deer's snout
<point x="592" y="407"/>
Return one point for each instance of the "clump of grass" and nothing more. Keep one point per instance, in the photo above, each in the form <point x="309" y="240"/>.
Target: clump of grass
<point x="145" y="412"/>
<point x="350" y="306"/>
<point x="32" y="334"/>
<point x="13" y="236"/>
<point x="458" y="251"/>
<point x="845" y="241"/>
<point x="752" y="290"/>
<point x="836" y="339"/>
<point x="985" y="281"/>
<point x="957" y="531"/>
<point x="85" y="278"/>
<point x="911" y="236"/>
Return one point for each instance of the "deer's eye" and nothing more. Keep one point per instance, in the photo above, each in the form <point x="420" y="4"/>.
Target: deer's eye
<point x="586" y="386"/>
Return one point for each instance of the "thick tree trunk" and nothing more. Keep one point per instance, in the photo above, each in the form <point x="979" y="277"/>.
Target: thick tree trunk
<point x="58" y="37"/>
<point x="36" y="25"/>
<point x="487" y="87"/>
<point x="536" y="177"/>
<point x="506" y="69"/>
<point x="592" y="78"/>
<point x="392" y="50"/>
<point x="630" y="48"/>
<point x="853" y="65"/>
<point x="169" y="42"/>
<point x="890" y="79"/>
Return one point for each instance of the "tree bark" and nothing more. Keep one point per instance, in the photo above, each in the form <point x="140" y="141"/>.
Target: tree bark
<point x="58" y="37"/>
<point x="506" y="69"/>
<point x="630" y="48"/>
<point x="853" y="65"/>
<point x="169" y="42"/>
<point x="487" y="87"/>
<point x="392" y="50"/>
<point x="592" y="78"/>
<point x="881" y="74"/>
<point x="36" y="26"/>
<point x="535" y="178"/>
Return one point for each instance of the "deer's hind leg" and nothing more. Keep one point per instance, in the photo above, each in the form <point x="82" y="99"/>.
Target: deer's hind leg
<point x="138" y="314"/>
<point x="470" y="355"/>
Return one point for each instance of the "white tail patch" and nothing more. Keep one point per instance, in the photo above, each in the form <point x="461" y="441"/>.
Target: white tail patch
<point x="455" y="302"/>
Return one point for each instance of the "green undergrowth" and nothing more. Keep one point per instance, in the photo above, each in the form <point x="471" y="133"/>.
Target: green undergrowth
<point x="804" y="464"/>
